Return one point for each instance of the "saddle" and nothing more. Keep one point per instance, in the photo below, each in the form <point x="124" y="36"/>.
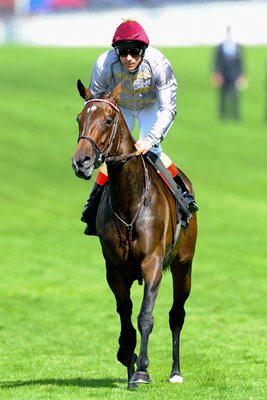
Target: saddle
<point x="156" y="162"/>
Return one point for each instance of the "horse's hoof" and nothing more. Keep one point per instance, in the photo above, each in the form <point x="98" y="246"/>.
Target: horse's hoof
<point x="176" y="378"/>
<point x="140" y="377"/>
<point x="132" y="386"/>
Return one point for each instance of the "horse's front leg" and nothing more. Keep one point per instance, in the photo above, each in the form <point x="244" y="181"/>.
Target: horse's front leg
<point x="181" y="269"/>
<point x="127" y="339"/>
<point x="152" y="273"/>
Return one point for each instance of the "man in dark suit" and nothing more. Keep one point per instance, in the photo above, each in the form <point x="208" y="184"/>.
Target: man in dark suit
<point x="228" y="76"/>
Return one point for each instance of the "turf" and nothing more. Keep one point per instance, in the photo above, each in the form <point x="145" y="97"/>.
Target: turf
<point x="58" y="324"/>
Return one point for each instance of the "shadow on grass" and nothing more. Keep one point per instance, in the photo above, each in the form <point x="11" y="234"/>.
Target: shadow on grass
<point x="79" y="382"/>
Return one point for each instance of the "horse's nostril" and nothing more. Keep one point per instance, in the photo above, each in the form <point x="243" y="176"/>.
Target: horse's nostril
<point x="82" y="162"/>
<point x="86" y="160"/>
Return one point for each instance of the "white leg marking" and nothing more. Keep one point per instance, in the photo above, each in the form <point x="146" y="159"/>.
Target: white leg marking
<point x="176" y="379"/>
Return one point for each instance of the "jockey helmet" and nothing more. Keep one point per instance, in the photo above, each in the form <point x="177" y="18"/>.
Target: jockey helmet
<point x="130" y="31"/>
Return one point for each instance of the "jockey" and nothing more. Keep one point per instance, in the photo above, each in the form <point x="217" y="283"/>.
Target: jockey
<point x="148" y="96"/>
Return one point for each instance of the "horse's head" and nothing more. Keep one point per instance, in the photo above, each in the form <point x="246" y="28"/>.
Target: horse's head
<point x="98" y="123"/>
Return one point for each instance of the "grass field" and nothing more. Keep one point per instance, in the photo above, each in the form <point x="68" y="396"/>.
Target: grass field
<point x="58" y="324"/>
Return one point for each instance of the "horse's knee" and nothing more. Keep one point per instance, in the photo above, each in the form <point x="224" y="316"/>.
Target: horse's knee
<point x="145" y="323"/>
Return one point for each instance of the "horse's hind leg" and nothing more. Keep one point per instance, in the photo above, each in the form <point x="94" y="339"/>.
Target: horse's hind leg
<point x="127" y="339"/>
<point x="181" y="288"/>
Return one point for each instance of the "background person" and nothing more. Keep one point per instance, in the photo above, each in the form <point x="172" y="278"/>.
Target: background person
<point x="228" y="76"/>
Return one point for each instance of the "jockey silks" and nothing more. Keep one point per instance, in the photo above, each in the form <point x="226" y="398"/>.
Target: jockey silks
<point x="153" y="83"/>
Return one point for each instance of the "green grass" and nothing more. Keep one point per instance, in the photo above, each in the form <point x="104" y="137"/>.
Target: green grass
<point x="58" y="325"/>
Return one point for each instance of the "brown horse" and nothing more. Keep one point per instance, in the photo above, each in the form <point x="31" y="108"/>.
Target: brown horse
<point x="136" y="223"/>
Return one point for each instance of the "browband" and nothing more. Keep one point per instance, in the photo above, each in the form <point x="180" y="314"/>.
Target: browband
<point x="102" y="101"/>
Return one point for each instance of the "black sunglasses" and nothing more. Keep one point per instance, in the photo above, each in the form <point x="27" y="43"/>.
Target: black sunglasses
<point x="135" y="51"/>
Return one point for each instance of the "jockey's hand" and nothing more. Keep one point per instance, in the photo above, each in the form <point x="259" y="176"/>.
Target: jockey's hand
<point x="143" y="146"/>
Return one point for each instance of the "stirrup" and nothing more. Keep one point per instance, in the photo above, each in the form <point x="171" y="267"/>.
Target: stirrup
<point x="193" y="207"/>
<point x="191" y="203"/>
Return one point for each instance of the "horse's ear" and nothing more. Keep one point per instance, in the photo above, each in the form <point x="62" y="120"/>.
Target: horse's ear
<point x="84" y="92"/>
<point x="115" y="94"/>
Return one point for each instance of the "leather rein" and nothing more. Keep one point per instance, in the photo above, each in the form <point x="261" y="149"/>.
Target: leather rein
<point x="102" y="156"/>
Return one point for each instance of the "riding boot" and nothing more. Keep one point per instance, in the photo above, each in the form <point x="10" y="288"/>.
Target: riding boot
<point x="189" y="198"/>
<point x="90" y="209"/>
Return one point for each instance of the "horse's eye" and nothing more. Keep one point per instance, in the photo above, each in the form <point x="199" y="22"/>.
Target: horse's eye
<point x="78" y="118"/>
<point x="108" y="121"/>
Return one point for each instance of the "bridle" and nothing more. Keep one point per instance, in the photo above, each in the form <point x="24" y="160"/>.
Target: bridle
<point x="102" y="156"/>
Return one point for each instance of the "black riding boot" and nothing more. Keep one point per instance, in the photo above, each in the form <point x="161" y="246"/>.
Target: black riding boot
<point x="90" y="209"/>
<point x="189" y="198"/>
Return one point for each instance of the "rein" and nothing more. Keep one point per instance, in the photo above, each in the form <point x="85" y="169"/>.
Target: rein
<point x="122" y="158"/>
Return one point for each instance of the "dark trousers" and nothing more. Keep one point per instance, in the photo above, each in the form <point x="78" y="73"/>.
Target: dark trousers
<point x="229" y="101"/>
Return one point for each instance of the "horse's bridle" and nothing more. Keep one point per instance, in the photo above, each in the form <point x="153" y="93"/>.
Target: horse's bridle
<point x="101" y="155"/>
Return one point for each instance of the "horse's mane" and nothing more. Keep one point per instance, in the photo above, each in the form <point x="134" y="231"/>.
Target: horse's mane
<point x="101" y="95"/>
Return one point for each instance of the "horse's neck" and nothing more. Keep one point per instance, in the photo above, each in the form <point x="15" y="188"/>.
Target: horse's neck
<point x="126" y="141"/>
<point x="127" y="185"/>
<point x="127" y="179"/>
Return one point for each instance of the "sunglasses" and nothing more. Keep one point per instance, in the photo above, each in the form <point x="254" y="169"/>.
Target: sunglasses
<point x="135" y="51"/>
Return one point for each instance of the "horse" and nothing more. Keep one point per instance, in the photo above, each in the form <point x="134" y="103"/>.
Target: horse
<point x="136" y="222"/>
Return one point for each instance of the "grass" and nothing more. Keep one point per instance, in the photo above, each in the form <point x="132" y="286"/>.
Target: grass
<point x="58" y="325"/>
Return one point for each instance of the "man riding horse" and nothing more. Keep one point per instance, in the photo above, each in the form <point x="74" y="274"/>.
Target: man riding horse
<point x="148" y="96"/>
